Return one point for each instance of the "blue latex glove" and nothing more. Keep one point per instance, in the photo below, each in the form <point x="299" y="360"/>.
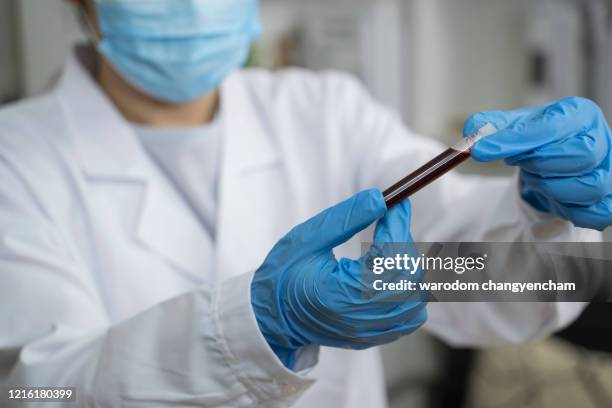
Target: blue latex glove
<point x="302" y="295"/>
<point x="563" y="151"/>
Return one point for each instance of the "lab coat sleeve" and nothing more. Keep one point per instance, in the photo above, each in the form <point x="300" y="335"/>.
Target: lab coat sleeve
<point x="456" y="208"/>
<point x="199" y="349"/>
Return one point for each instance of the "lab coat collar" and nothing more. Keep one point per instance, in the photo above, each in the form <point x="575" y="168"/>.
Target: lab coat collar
<point x="104" y="133"/>
<point x="250" y="156"/>
<point x="104" y="143"/>
<point x="249" y="146"/>
<point x="108" y="151"/>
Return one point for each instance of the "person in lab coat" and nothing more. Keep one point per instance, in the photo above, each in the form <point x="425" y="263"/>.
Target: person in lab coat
<point x="140" y="200"/>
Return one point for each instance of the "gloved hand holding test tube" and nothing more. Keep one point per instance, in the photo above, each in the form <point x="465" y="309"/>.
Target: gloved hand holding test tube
<point x="436" y="168"/>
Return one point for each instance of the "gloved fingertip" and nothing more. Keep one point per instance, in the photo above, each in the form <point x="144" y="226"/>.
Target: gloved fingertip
<point x="477" y="121"/>
<point x="406" y="208"/>
<point x="485" y="152"/>
<point x="377" y="202"/>
<point x="472" y="124"/>
<point x="505" y="144"/>
<point x="395" y="226"/>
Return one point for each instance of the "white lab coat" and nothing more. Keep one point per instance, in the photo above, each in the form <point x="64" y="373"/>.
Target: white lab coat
<point x="103" y="283"/>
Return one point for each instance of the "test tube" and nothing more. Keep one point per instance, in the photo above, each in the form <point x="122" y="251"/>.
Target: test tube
<point x="434" y="169"/>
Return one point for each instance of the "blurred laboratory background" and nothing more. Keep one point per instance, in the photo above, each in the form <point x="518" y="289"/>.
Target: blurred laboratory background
<point x="435" y="62"/>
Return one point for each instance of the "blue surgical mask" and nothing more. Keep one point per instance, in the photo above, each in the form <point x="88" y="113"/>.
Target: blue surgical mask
<point x="177" y="50"/>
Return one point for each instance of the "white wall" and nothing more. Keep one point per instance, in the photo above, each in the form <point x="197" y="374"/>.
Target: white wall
<point x="9" y="82"/>
<point x="461" y="49"/>
<point x="47" y="30"/>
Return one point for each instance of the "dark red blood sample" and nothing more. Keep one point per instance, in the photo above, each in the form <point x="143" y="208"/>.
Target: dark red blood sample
<point x="424" y="175"/>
